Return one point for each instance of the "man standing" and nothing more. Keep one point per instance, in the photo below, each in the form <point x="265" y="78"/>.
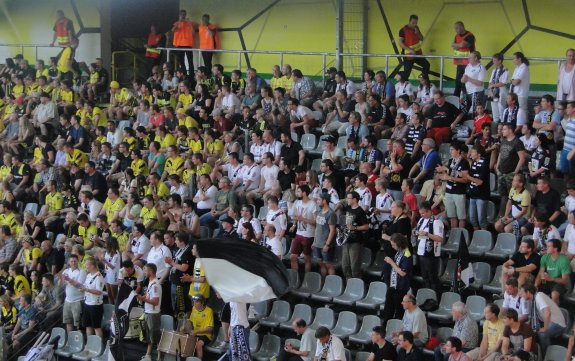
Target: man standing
<point x="473" y="78"/>
<point x="328" y="347"/>
<point x="424" y="169"/>
<point x="239" y="332"/>
<point x="184" y="32"/>
<point x="307" y="346"/>
<point x="463" y="45"/>
<point x="430" y="236"/>
<point x="410" y="39"/>
<point x="325" y="232"/>
<point x="357" y="226"/>
<point x="152" y="301"/>
<point x="304" y="217"/>
<point x="63" y="30"/>
<point x="510" y="162"/>
<point x="93" y="288"/>
<point x="73" y="278"/>
<point x="455" y="177"/>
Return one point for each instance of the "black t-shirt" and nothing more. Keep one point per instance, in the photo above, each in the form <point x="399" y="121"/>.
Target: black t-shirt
<point x="479" y="169"/>
<point x="97" y="181"/>
<point x="549" y="203"/>
<point x="48" y="148"/>
<point x="291" y="154"/>
<point x="286" y="179"/>
<point x="395" y="178"/>
<point x="402" y="226"/>
<point x="124" y="162"/>
<point x="19" y="172"/>
<point x="355" y="217"/>
<point x="182" y="256"/>
<point x="455" y="169"/>
<point x="443" y="116"/>
<point x="387" y="352"/>
<point x="520" y="261"/>
<point x="330" y="86"/>
<point x="41" y="236"/>
<point x="509" y="154"/>
<point x="413" y="135"/>
<point x="414" y="355"/>
<point x="54" y="258"/>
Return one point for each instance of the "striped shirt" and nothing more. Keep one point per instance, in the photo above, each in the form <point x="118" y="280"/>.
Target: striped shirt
<point x="569" y="142"/>
<point x="413" y="135"/>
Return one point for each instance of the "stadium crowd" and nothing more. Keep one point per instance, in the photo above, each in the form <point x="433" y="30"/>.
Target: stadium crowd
<point x="102" y="184"/>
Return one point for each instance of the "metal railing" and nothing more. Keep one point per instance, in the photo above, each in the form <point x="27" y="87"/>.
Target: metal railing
<point x="36" y="47"/>
<point x="116" y="67"/>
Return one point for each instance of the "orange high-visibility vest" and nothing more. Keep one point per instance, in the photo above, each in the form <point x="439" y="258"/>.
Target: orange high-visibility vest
<point x="207" y="40"/>
<point x="412" y="39"/>
<point x="61" y="29"/>
<point x="153" y="41"/>
<point x="464" y="52"/>
<point x="184" y="34"/>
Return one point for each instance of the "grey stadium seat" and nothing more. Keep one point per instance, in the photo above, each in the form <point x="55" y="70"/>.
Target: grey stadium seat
<point x="375" y="268"/>
<point x="214" y="346"/>
<point x="280" y="313"/>
<point x="505" y="246"/>
<point x="482" y="275"/>
<point x="332" y="287"/>
<point x="311" y="284"/>
<point x="475" y="306"/>
<point x="346" y="325"/>
<point x="74" y="344"/>
<point x="93" y="348"/>
<point x="270" y="348"/>
<point x="555" y="353"/>
<point x="354" y="291"/>
<point x="323" y="317"/>
<point x="481" y="242"/>
<point x="449" y="273"/>
<point x="392" y="326"/>
<point x="375" y="296"/>
<point x="363" y="336"/>
<point x="424" y="294"/>
<point x="443" y="313"/>
<point x="301" y="310"/>
<point x="452" y="245"/>
<point x="495" y="285"/>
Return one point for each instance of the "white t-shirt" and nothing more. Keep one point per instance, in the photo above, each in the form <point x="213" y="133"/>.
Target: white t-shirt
<point x="333" y="350"/>
<point x="239" y="314"/>
<point x="257" y="150"/>
<point x="141" y="245"/>
<point x="138" y="273"/>
<point x="405" y="88"/>
<point x="270" y="175"/>
<point x="94" y="281"/>
<point x="157" y="256"/>
<point x="233" y="172"/>
<point x="301" y="112"/>
<point x="274" y="148"/>
<point x="231" y="102"/>
<point x="570" y="238"/>
<point x="210" y="201"/>
<point x="438" y="230"/>
<point x="522" y="73"/>
<point x="255" y="225"/>
<point x="570" y="204"/>
<point x="252" y="173"/>
<point x="348" y="86"/>
<point x="308" y="344"/>
<point x="278" y="219"/>
<point x="154" y="291"/>
<point x="425" y="95"/>
<point x="274" y="245"/>
<point x="112" y="272"/>
<point x="476" y="72"/>
<point x="528" y="144"/>
<point x="364" y="198"/>
<point x="383" y="201"/>
<point x="415" y="321"/>
<point x="513" y="302"/>
<point x="306" y="210"/>
<point x="73" y="294"/>
<point x="543" y="301"/>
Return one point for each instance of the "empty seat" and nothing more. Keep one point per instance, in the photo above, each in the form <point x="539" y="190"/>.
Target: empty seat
<point x="443" y="333"/>
<point x="93" y="348"/>
<point x="308" y="142"/>
<point x="294" y="137"/>
<point x="362" y="355"/>
<point x="375" y="268"/>
<point x="499" y="303"/>
<point x="58" y="332"/>
<point x="301" y="310"/>
<point x="205" y="232"/>
<point x="254" y="342"/>
<point x="424" y="294"/>
<point x="341" y="142"/>
<point x="259" y="310"/>
<point x="347" y="354"/>
<point x="505" y="246"/>
<point x="346" y="325"/>
<point x="105" y="355"/>
<point x="323" y="317"/>
<point x="449" y="273"/>
<point x="555" y="353"/>
<point x="363" y="336"/>
<point x="382" y="145"/>
<point x="354" y="291"/>
<point x="167" y="323"/>
<point x="366" y="258"/>
<point x="74" y="344"/>
<point x="320" y="146"/>
<point x="332" y="287"/>
<point x="495" y="285"/>
<point x="263" y="213"/>
<point x="443" y="313"/>
<point x="481" y="242"/>
<point x="311" y="284"/>
<point x="217" y="346"/>
<point x="452" y="245"/>
<point x="280" y="313"/>
<point x="392" y="326"/>
<point x="493" y="185"/>
<point x="571" y="296"/>
<point x="32" y="207"/>
<point x="270" y="348"/>
<point x="293" y="277"/>
<point x="475" y="306"/>
<point x="107" y="315"/>
<point x="482" y="275"/>
<point x="444" y="152"/>
<point x="315" y="164"/>
<point x="375" y="296"/>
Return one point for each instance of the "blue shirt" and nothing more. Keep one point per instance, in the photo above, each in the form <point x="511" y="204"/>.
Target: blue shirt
<point x="429" y="162"/>
<point x="26" y="316"/>
<point x="160" y="159"/>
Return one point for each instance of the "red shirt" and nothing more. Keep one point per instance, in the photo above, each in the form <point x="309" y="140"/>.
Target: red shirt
<point x="157" y="119"/>
<point x="479" y="121"/>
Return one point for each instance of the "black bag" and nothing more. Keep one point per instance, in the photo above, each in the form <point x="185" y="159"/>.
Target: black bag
<point x="429" y="305"/>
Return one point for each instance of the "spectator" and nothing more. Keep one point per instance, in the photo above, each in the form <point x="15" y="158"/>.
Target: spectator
<point x="26" y="326"/>
<point x="408" y="351"/>
<point x="152" y="304"/>
<point x="430" y="236"/>
<point x="328" y="347"/>
<point x="413" y="321"/>
<point x="73" y="279"/>
<point x="516" y="335"/>
<point x="397" y="273"/>
<point x="465" y="331"/>
<point x="492" y="337"/>
<point x="520" y="80"/>
<point x="553" y="277"/>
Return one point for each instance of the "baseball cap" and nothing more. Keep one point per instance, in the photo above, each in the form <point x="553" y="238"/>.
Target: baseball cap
<point x="114" y="85"/>
<point x="198" y="297"/>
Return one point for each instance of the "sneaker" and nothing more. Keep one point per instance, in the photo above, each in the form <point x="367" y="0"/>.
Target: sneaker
<point x="223" y="344"/>
<point x="146" y="358"/>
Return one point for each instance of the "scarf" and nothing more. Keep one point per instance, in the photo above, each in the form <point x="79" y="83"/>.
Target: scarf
<point x="394" y="274"/>
<point x="533" y="317"/>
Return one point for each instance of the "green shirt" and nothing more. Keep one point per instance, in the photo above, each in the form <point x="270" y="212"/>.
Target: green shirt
<point x="555" y="268"/>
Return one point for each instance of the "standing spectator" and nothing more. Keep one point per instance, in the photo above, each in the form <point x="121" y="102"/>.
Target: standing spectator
<point x="155" y="40"/>
<point x="93" y="289"/>
<point x="424" y="169"/>
<point x="493" y="327"/>
<point x="520" y="80"/>
<point x="152" y="302"/>
<point x="479" y="189"/>
<point x="463" y="45"/>
<point x="566" y="81"/>
<point x="184" y="32"/>
<point x="63" y="30"/>
<point x="328" y="347"/>
<point x="430" y="236"/>
<point x="473" y="79"/>
<point x="410" y="39"/>
<point x="73" y="278"/>
<point x="304" y="227"/>
<point x="455" y="178"/>
<point x="497" y="88"/>
<point x="408" y="351"/>
<point x="325" y="233"/>
<point x="397" y="273"/>
<point x="397" y="170"/>
<point x="510" y="162"/>
<point x="357" y="226"/>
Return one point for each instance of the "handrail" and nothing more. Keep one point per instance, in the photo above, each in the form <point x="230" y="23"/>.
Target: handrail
<point x="115" y="68"/>
<point x="35" y="46"/>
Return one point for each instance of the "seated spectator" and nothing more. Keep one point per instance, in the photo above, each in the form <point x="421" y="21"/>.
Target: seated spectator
<point x="465" y="331"/>
<point x="26" y="327"/>
<point x="517" y="207"/>
<point x="524" y="264"/>
<point x="512" y="300"/>
<point x="408" y="350"/>
<point x="328" y="346"/>
<point x="200" y="324"/>
<point x="492" y="337"/>
<point x="413" y="321"/>
<point x="553" y="277"/>
<point x="516" y="335"/>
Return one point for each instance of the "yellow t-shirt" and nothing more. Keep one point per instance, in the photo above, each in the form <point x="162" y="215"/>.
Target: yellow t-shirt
<point x="174" y="165"/>
<point x="87" y="234"/>
<point x="67" y="95"/>
<point x="188" y="122"/>
<point x="287" y="84"/>
<point x="77" y="157"/>
<point x="202" y="288"/>
<point x="21" y="284"/>
<point x="102" y="139"/>
<point x="62" y="65"/>
<point x="4" y="171"/>
<point x="148" y="214"/>
<point x="85" y="119"/>
<point x="276" y="83"/>
<point x="13" y="313"/>
<point x="122" y="96"/>
<point x="162" y="190"/>
<point x="519" y="200"/>
<point x="185" y="99"/>
<point x="139" y="166"/>
<point x="54" y="201"/>
<point x="94" y="77"/>
<point x="201" y="320"/>
<point x="18" y="90"/>
<point x="202" y="169"/>
<point x="196" y="146"/>
<point x="10" y="221"/>
<point x="187" y="174"/>
<point x="166" y="142"/>
<point x="112" y="207"/>
<point x="215" y="147"/>
<point x="32" y="254"/>
<point x="493" y="331"/>
<point x="32" y="88"/>
<point x="43" y="72"/>
<point x="102" y="120"/>
<point x="122" y="239"/>
<point x="132" y="142"/>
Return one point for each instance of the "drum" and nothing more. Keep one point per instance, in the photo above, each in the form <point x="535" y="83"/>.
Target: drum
<point x="173" y="341"/>
<point x="134" y="327"/>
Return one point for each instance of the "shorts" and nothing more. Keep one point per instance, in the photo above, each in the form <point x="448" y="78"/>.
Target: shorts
<point x="301" y="244"/>
<point x="226" y="314"/>
<point x="326" y="257"/>
<point x="455" y="205"/>
<point x="549" y="287"/>
<point x="152" y="322"/>
<point x="93" y="315"/>
<point x="72" y="313"/>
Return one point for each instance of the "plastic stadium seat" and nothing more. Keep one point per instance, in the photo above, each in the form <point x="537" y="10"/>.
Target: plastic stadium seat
<point x="254" y="342"/>
<point x="346" y="325"/>
<point x="311" y="284"/>
<point x="20" y="207"/>
<point x="315" y="164"/>
<point x="366" y="258"/>
<point x="32" y="207"/>
<point x="93" y="348"/>
<point x="491" y="212"/>
<point x="475" y="306"/>
<point x="481" y="242"/>
<point x="107" y="315"/>
<point x="363" y="336"/>
<point x="493" y="186"/>
<point x="499" y="303"/>
<point x="263" y="213"/>
<point x="443" y="333"/>
<point x="495" y="285"/>
<point x="332" y="287"/>
<point x="214" y="346"/>
<point x="443" y="313"/>
<point x="320" y="146"/>
<point x="167" y="322"/>
<point x="294" y="137"/>
<point x="377" y="265"/>
<point x="419" y="278"/>
<point x="270" y="348"/>
<point x="482" y="275"/>
<point x="280" y="313"/>
<point x="382" y="145"/>
<point x="571" y="296"/>
<point x="362" y="355"/>
<point x="74" y="344"/>
<point x="449" y="273"/>
<point x="260" y="310"/>
<point x="505" y="246"/>
<point x="205" y="232"/>
<point x="392" y="326"/>
<point x="347" y="354"/>
<point x="301" y="310"/>
<point x="323" y="317"/>
<point x="293" y="341"/>
<point x="444" y="152"/>
<point x="452" y="245"/>
<point x="58" y="331"/>
<point x="555" y="353"/>
<point x="424" y="294"/>
<point x="568" y="329"/>
<point x="452" y="99"/>
<point x="105" y="355"/>
<point x="375" y="296"/>
<point x="341" y="142"/>
<point x="354" y="291"/>
<point x="308" y="142"/>
<point x="293" y="277"/>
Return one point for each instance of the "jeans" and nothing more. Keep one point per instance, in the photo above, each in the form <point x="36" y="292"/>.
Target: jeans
<point x="545" y="337"/>
<point x="351" y="260"/>
<point x="429" y="267"/>
<point x="478" y="213"/>
<point x="458" y="76"/>
<point x="209" y="220"/>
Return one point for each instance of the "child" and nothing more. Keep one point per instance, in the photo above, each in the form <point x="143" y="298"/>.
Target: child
<point x="111" y="260"/>
<point x="383" y="201"/>
<point x="238" y="84"/>
<point x="481" y="118"/>
<point x="410" y="200"/>
<point x="528" y="138"/>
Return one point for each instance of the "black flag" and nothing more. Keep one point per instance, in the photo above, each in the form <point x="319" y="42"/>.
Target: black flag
<point x="464" y="270"/>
